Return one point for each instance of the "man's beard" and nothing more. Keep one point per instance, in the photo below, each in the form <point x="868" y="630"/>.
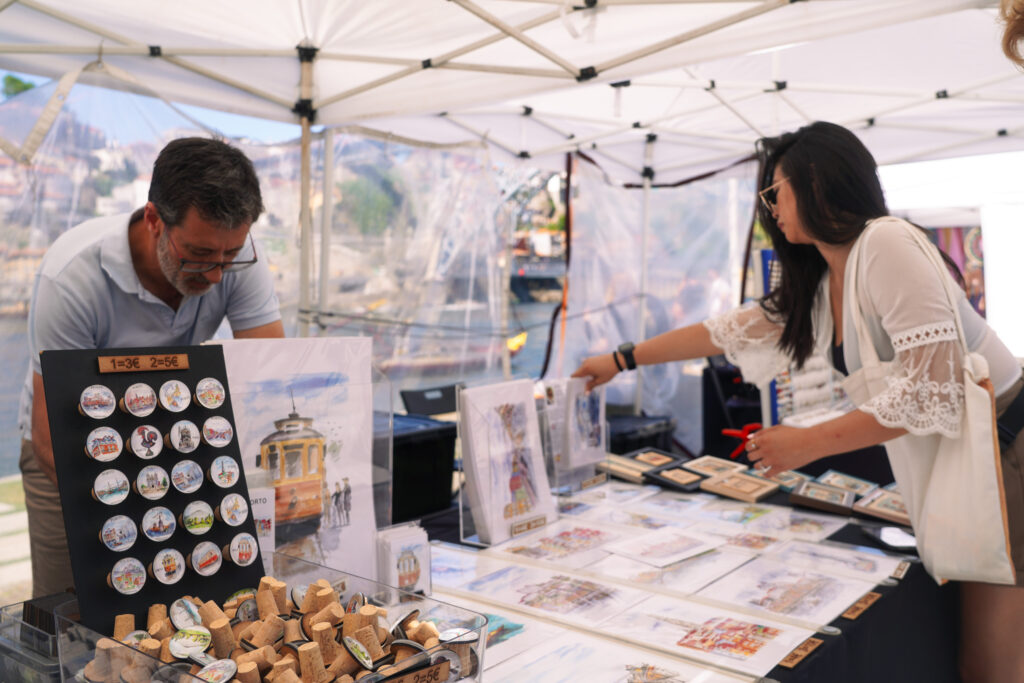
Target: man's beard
<point x="186" y="284"/>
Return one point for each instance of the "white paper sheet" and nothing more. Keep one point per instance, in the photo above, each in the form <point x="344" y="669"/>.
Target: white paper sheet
<point x="664" y="546"/>
<point x="861" y="563"/>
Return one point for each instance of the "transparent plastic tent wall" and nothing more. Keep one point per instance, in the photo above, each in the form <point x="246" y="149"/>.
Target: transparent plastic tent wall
<point x="419" y="246"/>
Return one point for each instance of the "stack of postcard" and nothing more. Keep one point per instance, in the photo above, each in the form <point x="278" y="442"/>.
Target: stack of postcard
<point x="885" y="504"/>
<point x="575" y="422"/>
<point x="740" y="486"/>
<point x="403" y="558"/>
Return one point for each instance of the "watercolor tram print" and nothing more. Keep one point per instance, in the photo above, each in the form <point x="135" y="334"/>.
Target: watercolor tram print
<point x="293" y="456"/>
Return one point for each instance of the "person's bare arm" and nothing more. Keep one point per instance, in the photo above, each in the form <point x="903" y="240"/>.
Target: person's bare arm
<point x="684" y="343"/>
<point x="41" y="444"/>
<point x="270" y="330"/>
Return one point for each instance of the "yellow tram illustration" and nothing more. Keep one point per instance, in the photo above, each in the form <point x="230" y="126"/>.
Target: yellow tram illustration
<point x="293" y="456"/>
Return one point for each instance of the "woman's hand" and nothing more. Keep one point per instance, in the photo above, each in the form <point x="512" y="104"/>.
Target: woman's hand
<point x="599" y="369"/>
<point x="780" y="448"/>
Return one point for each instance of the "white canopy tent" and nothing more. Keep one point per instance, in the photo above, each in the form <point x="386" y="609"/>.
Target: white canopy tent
<point x="654" y="91"/>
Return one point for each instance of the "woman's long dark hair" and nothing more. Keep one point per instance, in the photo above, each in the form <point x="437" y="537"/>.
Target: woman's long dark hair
<point x="835" y="182"/>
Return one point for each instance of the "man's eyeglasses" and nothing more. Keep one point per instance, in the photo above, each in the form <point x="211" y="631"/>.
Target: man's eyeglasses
<point x="770" y="195"/>
<point x="192" y="266"/>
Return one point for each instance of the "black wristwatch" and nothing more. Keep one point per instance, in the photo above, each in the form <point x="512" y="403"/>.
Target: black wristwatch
<point x="626" y="351"/>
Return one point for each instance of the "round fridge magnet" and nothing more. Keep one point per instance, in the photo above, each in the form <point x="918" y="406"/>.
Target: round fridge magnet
<point x="210" y="393"/>
<point x="184" y="436"/>
<point x="205" y="559"/>
<point x="119" y="533"/>
<point x="224" y="471"/>
<point x="168" y="566"/>
<point x="139" y="400"/>
<point x="242" y="549"/>
<point x="158" y="524"/>
<point x="217" y="431"/>
<point x="174" y="396"/>
<point x="146" y="442"/>
<point x="152" y="482"/>
<point x="97" y="402"/>
<point x="197" y="517"/>
<point x="233" y="509"/>
<point x="110" y="487"/>
<point x="127" y="577"/>
<point x="104" y="444"/>
<point x="187" y="476"/>
<point x="190" y="641"/>
<point x="185" y="614"/>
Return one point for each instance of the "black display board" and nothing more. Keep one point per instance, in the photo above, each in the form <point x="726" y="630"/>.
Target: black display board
<point x="65" y="375"/>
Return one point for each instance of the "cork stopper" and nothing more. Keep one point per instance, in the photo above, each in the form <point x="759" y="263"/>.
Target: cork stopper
<point x="223" y="638"/>
<point x="323" y="635"/>
<point x="150" y="647"/>
<point x="323" y="597"/>
<point x="157" y="613"/>
<point x="263" y="658"/>
<point x="279" y="589"/>
<point x="248" y="672"/>
<point x="288" y="676"/>
<point x="161" y="629"/>
<point x="289" y="664"/>
<point x="344" y="663"/>
<point x="211" y="612"/>
<point x="292" y="631"/>
<point x="368" y="637"/>
<point x="266" y="604"/>
<point x="123" y="625"/>
<point x="165" y="650"/>
<point x="311" y="663"/>
<point x="269" y="632"/>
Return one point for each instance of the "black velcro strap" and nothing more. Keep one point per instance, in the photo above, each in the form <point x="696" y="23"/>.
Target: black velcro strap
<point x="1011" y="422"/>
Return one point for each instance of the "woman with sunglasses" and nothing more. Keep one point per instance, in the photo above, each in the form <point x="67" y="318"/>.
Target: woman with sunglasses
<point x="821" y="198"/>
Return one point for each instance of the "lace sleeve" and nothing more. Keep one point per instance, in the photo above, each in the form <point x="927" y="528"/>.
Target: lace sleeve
<point x="750" y="341"/>
<point x="926" y="392"/>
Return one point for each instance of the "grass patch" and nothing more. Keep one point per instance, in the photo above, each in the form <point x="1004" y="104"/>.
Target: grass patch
<point x="12" y="494"/>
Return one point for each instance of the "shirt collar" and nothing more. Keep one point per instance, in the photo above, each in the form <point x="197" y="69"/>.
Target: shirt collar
<point x="116" y="256"/>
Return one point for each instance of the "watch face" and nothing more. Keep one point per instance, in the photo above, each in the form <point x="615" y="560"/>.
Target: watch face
<point x="158" y="524"/>
<point x="210" y="393"/>
<point x="174" y="396"/>
<point x="103" y="444"/>
<point x="185" y="436"/>
<point x="224" y="471"/>
<point x="197" y="517"/>
<point x="187" y="476"/>
<point x="234" y="509"/>
<point x="97" y="401"/>
<point x="111" y="487"/>
<point x="140" y="400"/>
<point x="152" y="482"/>
<point x="146" y="442"/>
<point x="119" y="533"/>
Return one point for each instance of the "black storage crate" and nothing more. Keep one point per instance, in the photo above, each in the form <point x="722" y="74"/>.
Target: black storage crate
<point x="632" y="432"/>
<point x="423" y="454"/>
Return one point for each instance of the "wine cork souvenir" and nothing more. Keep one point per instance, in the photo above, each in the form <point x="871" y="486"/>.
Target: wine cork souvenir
<point x="146" y="442"/>
<point x="190" y="641"/>
<point x="217" y="431"/>
<point x="139" y="400"/>
<point x="183" y="436"/>
<point x="152" y="482"/>
<point x="119" y="533"/>
<point x="197" y="517"/>
<point x="168" y="566"/>
<point x="233" y="509"/>
<point x="184" y="614"/>
<point x="174" y="396"/>
<point x="210" y="393"/>
<point x="242" y="550"/>
<point x="97" y="402"/>
<point x="110" y="487"/>
<point x="187" y="476"/>
<point x="205" y="559"/>
<point x="103" y="444"/>
<point x="127" y="576"/>
<point x="224" y="471"/>
<point x="158" y="524"/>
<point x="220" y="671"/>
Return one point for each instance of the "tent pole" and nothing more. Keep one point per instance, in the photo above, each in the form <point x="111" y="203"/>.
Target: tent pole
<point x="326" y="216"/>
<point x="305" y="215"/>
<point x="644" y="233"/>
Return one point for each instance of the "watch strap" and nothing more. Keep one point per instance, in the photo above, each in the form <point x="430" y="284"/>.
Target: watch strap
<point x="627" y="355"/>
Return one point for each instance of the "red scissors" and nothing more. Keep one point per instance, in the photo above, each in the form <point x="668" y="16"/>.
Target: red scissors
<point x="743" y="435"/>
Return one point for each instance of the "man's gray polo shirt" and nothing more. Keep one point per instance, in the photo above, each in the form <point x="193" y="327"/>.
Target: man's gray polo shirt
<point x="87" y="296"/>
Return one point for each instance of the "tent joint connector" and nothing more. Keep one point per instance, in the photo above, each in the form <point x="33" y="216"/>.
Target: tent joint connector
<point x="648" y="172"/>
<point x="1002" y="133"/>
<point x="652" y="137"/>
<point x="155" y="51"/>
<point x="620" y="84"/>
<point x="941" y="94"/>
<point x="586" y="73"/>
<point x="637" y="124"/>
<point x="427" y="63"/>
<point x="306" y="52"/>
<point x="304" y="109"/>
<point x="711" y="85"/>
<point x="523" y="154"/>
<point x="780" y="85"/>
<point x="871" y="122"/>
<point x="527" y="110"/>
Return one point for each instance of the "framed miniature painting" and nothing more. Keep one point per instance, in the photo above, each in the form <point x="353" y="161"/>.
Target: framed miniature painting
<point x="861" y="487"/>
<point x="711" y="466"/>
<point x="674" y="477"/>
<point x="740" y="486"/>
<point x="788" y="479"/>
<point x="624" y="468"/>
<point x="823" y="497"/>
<point x="884" y="504"/>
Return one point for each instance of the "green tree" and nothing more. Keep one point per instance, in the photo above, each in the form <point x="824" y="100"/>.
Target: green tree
<point x="367" y="204"/>
<point x="14" y="85"/>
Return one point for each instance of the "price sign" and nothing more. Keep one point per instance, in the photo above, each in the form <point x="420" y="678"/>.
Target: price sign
<point x="438" y="673"/>
<point x="146" y="363"/>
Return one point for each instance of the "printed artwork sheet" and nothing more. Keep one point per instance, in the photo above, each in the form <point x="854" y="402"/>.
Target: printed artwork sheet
<point x="577" y="657"/>
<point x="664" y="546"/>
<point x="797" y="524"/>
<point x="672" y="504"/>
<point x="738" y="538"/>
<point x="627" y="516"/>
<point x="508" y="634"/>
<point x="614" y="493"/>
<point x="506" y="480"/>
<point x="585" y="428"/>
<point x="861" y="563"/>
<point x="684" y="577"/>
<point x="304" y="413"/>
<point x="797" y="592"/>
<point x="748" y="644"/>
<point x="568" y="543"/>
<point x="569" y="597"/>
<point x="453" y="568"/>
